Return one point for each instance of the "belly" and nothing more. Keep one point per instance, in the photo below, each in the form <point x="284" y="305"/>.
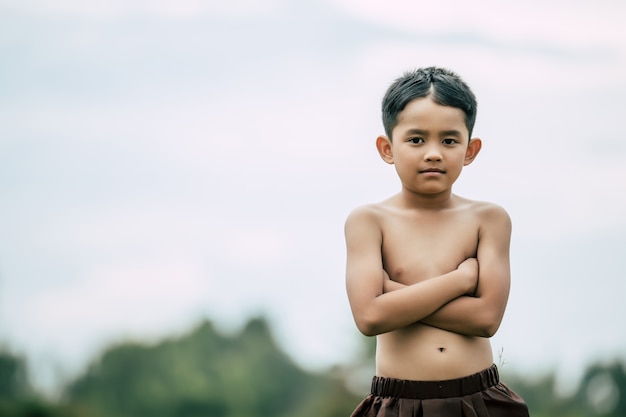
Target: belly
<point x="422" y="352"/>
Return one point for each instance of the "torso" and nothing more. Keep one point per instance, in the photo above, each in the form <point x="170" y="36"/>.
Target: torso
<point x="418" y="245"/>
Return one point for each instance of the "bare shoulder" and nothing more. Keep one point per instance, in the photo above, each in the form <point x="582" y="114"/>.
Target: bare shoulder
<point x="492" y="212"/>
<point x="369" y="214"/>
<point x="492" y="218"/>
<point x="486" y="211"/>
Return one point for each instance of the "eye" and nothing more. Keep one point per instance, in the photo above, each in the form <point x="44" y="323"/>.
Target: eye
<point x="415" y="140"/>
<point x="449" y="141"/>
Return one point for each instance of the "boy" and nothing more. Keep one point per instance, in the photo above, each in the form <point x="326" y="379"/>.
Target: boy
<point x="427" y="270"/>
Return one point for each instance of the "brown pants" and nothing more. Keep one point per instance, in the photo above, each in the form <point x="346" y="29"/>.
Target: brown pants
<point x="478" y="395"/>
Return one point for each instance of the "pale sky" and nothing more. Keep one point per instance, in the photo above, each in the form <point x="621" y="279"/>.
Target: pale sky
<point x="163" y="162"/>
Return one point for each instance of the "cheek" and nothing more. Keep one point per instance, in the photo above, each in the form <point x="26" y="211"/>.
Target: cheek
<point x="405" y="156"/>
<point x="405" y="162"/>
<point x="459" y="158"/>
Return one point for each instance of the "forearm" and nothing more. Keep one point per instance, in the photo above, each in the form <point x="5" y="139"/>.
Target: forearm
<point x="465" y="315"/>
<point x="393" y="310"/>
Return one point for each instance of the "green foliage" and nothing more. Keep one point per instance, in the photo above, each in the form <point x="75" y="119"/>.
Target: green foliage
<point x="202" y="374"/>
<point x="208" y="374"/>
<point x="17" y="398"/>
<point x="601" y="393"/>
<point x="538" y="393"/>
<point x="603" y="390"/>
<point x="13" y="379"/>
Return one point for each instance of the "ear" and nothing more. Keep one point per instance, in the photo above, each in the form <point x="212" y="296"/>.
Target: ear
<point x="473" y="148"/>
<point x="383" y="144"/>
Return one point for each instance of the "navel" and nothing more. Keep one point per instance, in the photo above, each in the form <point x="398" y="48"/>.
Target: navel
<point x="441" y="349"/>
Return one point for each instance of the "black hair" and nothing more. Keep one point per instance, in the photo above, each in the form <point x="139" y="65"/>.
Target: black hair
<point x="443" y="86"/>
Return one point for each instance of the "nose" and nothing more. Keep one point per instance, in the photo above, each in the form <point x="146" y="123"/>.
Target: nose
<point x="432" y="153"/>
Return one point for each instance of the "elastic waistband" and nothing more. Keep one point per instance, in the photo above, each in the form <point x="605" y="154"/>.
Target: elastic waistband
<point x="400" y="388"/>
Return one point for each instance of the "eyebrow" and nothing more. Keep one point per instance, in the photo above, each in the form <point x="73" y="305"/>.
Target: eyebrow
<point x="451" y="132"/>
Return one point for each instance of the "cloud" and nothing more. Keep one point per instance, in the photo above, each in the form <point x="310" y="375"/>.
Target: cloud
<point x="158" y="8"/>
<point x="573" y="25"/>
<point x="132" y="297"/>
<point x="490" y="70"/>
<point x="261" y="248"/>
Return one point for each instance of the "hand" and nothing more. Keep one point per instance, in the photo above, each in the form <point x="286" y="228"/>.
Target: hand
<point x="389" y="284"/>
<point x="469" y="267"/>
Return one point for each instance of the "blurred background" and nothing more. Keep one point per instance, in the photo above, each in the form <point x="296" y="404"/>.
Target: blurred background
<point x="174" y="178"/>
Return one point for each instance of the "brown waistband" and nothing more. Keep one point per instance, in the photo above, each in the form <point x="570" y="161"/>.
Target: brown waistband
<point x="400" y="388"/>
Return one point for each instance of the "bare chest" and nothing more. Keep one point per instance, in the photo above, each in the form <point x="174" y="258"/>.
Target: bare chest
<point x="417" y="248"/>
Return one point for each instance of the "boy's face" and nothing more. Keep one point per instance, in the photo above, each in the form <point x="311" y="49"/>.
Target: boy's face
<point x="430" y="146"/>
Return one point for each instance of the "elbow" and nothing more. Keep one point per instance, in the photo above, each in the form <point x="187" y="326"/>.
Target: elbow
<point x="488" y="331"/>
<point x="367" y="330"/>
<point x="369" y="325"/>
<point x="489" y="324"/>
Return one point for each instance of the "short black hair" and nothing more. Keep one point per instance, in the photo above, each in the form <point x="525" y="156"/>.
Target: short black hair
<point x="442" y="85"/>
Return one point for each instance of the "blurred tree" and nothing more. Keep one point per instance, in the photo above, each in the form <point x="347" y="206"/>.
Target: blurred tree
<point x="18" y="399"/>
<point x="13" y="377"/>
<point x="539" y="394"/>
<point x="602" y="391"/>
<point x="207" y="374"/>
<point x="201" y="374"/>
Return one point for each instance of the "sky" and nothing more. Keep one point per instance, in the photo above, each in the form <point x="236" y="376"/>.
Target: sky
<point x="165" y="162"/>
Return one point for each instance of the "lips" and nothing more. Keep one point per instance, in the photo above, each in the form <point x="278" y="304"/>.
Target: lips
<point x="433" y="170"/>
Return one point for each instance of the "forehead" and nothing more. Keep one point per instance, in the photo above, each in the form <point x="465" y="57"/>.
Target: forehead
<point x="425" y="114"/>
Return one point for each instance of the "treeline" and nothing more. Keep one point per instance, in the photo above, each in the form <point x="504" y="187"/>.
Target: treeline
<point x="207" y="374"/>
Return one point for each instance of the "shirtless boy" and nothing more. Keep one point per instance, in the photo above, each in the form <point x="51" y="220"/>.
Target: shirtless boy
<point x="427" y="270"/>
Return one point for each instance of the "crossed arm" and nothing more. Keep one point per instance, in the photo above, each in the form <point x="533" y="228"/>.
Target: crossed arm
<point x="448" y="301"/>
<point x="376" y="311"/>
<point x="481" y="314"/>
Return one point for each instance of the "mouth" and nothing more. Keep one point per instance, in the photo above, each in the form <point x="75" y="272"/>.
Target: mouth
<point x="432" y="170"/>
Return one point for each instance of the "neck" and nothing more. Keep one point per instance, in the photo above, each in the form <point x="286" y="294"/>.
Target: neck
<point x="437" y="201"/>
